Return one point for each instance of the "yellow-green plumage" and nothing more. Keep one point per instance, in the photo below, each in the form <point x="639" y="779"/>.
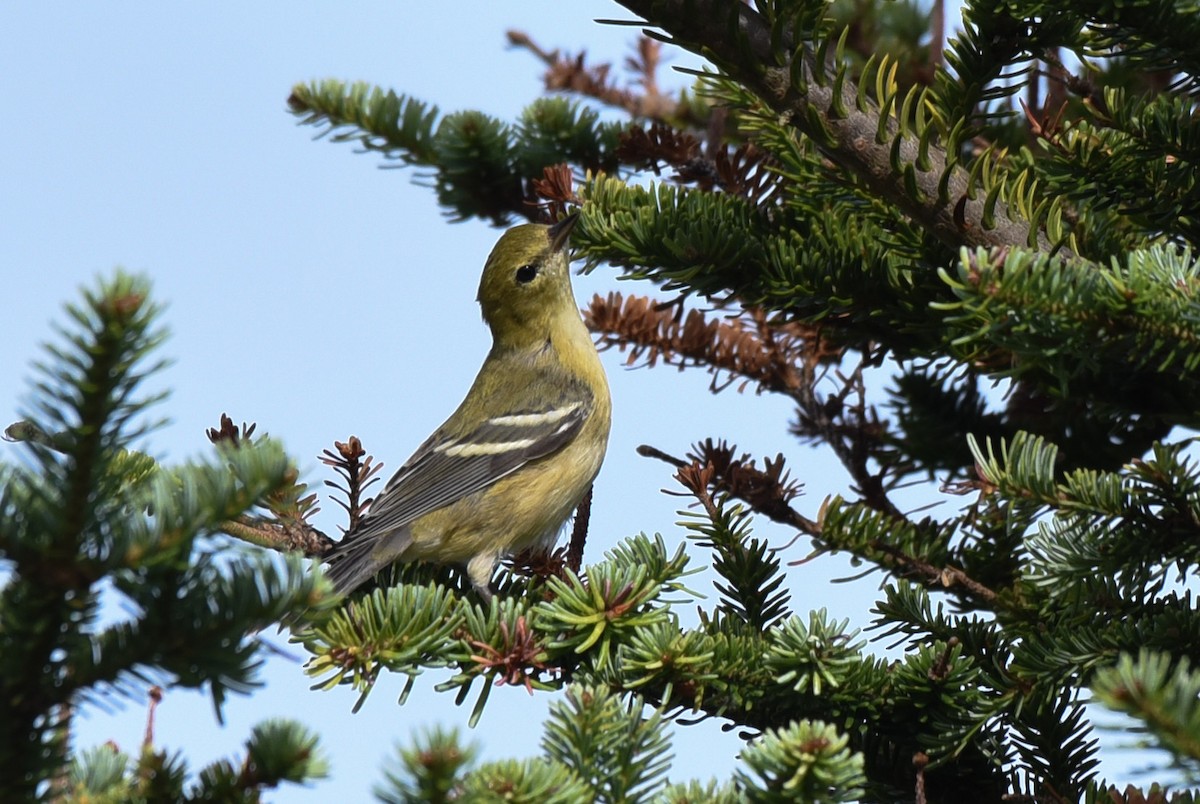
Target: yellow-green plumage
<point x="509" y="466"/>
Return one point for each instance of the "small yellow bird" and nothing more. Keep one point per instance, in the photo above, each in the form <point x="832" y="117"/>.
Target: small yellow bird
<point x="506" y="470"/>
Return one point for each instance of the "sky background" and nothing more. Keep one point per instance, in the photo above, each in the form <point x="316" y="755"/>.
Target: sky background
<point x="313" y="293"/>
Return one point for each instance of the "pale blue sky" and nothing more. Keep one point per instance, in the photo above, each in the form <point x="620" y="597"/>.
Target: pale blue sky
<point x="318" y="295"/>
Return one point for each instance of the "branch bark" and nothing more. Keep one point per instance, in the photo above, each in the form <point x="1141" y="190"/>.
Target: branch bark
<point x="738" y="40"/>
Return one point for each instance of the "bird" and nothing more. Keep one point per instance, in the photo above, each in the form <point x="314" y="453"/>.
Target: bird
<point x="506" y="470"/>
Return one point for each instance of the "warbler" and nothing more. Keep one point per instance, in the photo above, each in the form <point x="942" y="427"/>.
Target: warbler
<point x="511" y="464"/>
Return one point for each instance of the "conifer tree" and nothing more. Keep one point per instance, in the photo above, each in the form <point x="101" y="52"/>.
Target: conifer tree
<point x="88" y="511"/>
<point x="967" y="265"/>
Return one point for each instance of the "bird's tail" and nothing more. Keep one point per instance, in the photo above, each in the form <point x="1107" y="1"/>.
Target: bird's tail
<point x="353" y="562"/>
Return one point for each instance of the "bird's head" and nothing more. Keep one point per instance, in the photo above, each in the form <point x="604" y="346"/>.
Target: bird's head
<point x="527" y="281"/>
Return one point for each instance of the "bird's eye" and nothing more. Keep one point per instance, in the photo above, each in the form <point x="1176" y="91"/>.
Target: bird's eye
<point x="526" y="273"/>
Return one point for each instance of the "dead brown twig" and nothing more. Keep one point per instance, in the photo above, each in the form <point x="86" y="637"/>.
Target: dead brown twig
<point x="750" y="345"/>
<point x="568" y="73"/>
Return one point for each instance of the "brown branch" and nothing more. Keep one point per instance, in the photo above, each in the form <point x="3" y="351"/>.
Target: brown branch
<point x="230" y="432"/>
<point x="519" y="660"/>
<point x="769" y="490"/>
<point x="747" y="171"/>
<point x="568" y="73"/>
<point x="285" y="537"/>
<point x="769" y="493"/>
<point x="946" y="577"/>
<point x="290" y="507"/>
<point x="751" y="345"/>
<point x="358" y="472"/>
<point x="554" y="193"/>
<point x="937" y="34"/>
<point x="539" y="562"/>
<point x="659" y="143"/>
<point x="746" y="482"/>
<point x="155" y="695"/>
<point x="850" y="426"/>
<point x="781" y="356"/>
<point x="741" y="43"/>
<point x="579" y="532"/>
<point x="920" y="762"/>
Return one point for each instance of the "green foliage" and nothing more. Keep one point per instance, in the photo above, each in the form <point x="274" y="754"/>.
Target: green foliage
<point x="1000" y="248"/>
<point x="813" y="658"/>
<point x="1024" y="276"/>
<point x="809" y="761"/>
<point x="620" y="755"/>
<point x="480" y="164"/>
<point x="1164" y="695"/>
<point x="597" y="749"/>
<point x="520" y="639"/>
<point x="88" y="511"/>
<point x="428" y="771"/>
<point x="752" y="577"/>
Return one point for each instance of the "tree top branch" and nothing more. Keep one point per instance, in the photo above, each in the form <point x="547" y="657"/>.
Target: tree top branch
<point x="750" y="52"/>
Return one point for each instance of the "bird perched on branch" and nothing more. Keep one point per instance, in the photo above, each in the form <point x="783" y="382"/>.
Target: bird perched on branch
<point x="508" y="467"/>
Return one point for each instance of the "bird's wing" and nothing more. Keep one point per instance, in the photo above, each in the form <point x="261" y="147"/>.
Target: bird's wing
<point x="447" y="468"/>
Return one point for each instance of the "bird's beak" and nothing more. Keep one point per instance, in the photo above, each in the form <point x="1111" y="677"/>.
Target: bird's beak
<point x="560" y="231"/>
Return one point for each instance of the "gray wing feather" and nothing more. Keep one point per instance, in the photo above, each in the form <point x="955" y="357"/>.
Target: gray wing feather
<point x="436" y="476"/>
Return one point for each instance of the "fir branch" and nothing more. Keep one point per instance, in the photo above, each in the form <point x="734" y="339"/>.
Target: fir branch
<point x="791" y="79"/>
<point x="746" y="171"/>
<point x="284" y="537"/>
<point x="58" y="540"/>
<point x="607" y="742"/>
<point x="1161" y="693"/>
<point x="768" y="493"/>
<point x="288" y="529"/>
<point x="399" y="127"/>
<point x="1123" y="334"/>
<point x="807" y="761"/>
<point x="519" y="654"/>
<point x="429" y="771"/>
<point x="1157" y="37"/>
<point x="751" y="571"/>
